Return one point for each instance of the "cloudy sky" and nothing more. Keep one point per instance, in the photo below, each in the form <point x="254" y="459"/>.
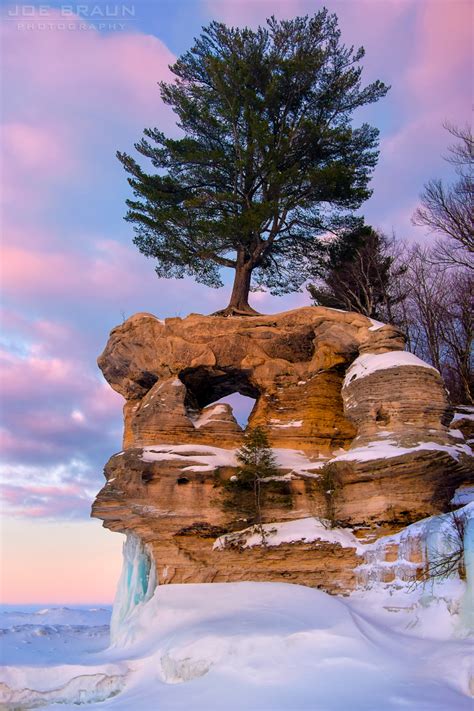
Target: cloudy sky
<point x="79" y="82"/>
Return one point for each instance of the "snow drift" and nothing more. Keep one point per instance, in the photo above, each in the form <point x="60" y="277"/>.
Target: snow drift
<point x="263" y="646"/>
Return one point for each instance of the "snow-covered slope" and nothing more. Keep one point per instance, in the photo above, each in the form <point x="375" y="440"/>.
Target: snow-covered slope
<point x="253" y="646"/>
<point x="256" y="646"/>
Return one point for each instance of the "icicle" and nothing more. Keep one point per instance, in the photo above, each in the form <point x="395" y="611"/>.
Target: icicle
<point x="136" y="585"/>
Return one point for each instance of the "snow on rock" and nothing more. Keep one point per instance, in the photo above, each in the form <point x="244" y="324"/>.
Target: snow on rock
<point x="208" y="458"/>
<point x="386" y="448"/>
<point x="372" y="362"/>
<point x="297" y="461"/>
<point x="293" y="423"/>
<point x="463" y="413"/>
<point x="376" y="325"/>
<point x="437" y="609"/>
<point x="428" y="542"/>
<point x="209" y="413"/>
<point x="434" y="530"/>
<point x="463" y="495"/>
<point x="303" y="530"/>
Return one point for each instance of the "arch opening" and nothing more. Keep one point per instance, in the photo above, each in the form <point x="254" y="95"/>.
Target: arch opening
<point x="242" y="407"/>
<point x="208" y="385"/>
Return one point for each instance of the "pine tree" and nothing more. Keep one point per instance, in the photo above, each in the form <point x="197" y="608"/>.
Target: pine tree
<point x="257" y="464"/>
<point x="269" y="160"/>
<point x="256" y="456"/>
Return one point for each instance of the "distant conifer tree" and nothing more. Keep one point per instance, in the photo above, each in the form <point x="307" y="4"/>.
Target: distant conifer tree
<point x="359" y="273"/>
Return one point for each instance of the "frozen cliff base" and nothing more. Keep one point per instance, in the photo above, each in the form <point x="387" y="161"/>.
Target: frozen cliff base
<point x="258" y="646"/>
<point x="262" y="647"/>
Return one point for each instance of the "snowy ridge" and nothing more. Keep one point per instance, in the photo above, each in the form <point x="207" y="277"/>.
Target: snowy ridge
<point x="209" y="415"/>
<point x="463" y="413"/>
<point x="32" y="687"/>
<point x="208" y="458"/>
<point x="376" y="325"/>
<point x="294" y="423"/>
<point x="52" y="635"/>
<point x="372" y="362"/>
<point x="385" y="449"/>
<point x="92" y="617"/>
<point x="463" y="495"/>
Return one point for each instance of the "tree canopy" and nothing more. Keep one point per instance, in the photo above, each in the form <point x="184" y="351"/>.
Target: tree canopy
<point x="268" y="159"/>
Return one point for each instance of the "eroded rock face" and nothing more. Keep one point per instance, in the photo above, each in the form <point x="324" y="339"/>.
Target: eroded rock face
<point x="292" y="363"/>
<point x="346" y="410"/>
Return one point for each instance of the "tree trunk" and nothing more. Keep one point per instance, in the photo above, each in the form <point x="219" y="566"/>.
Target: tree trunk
<point x="239" y="300"/>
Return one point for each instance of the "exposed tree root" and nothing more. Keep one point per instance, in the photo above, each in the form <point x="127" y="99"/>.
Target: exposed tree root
<point x="233" y="311"/>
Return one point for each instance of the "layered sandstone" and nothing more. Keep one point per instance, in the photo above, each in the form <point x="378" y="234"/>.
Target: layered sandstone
<point x="341" y="402"/>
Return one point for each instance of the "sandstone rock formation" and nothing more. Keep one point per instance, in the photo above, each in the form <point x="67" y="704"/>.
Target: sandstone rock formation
<point x="346" y="409"/>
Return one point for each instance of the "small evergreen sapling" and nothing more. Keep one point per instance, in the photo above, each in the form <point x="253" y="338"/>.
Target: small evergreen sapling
<point x="257" y="464"/>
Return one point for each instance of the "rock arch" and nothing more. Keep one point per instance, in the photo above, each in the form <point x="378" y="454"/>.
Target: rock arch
<point x="334" y="386"/>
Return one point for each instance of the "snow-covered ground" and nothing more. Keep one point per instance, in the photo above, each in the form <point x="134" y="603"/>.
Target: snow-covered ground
<point x="253" y="646"/>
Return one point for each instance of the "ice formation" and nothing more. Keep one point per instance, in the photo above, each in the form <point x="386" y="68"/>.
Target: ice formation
<point x="136" y="585"/>
<point x="429" y="543"/>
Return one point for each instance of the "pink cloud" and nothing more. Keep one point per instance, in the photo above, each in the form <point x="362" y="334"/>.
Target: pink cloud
<point x="25" y="376"/>
<point x="37" y="272"/>
<point x="79" y="69"/>
<point x="362" y="22"/>
<point x="13" y="444"/>
<point x="78" y="89"/>
<point x="66" y="500"/>
<point x="442" y="51"/>
<point x="109" y="271"/>
<point x="103" y="403"/>
<point x="49" y="390"/>
<point x="33" y="147"/>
